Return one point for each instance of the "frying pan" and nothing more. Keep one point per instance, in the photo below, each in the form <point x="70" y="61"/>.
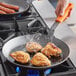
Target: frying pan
<point x="18" y="43"/>
<point x="23" y="6"/>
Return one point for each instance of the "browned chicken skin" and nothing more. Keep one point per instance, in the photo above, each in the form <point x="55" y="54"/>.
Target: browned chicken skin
<point x="51" y="50"/>
<point x="33" y="47"/>
<point x="40" y="59"/>
<point x="20" y="56"/>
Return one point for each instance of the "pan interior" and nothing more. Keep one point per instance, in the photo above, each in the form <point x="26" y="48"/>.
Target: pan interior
<point x="19" y="44"/>
<point x="53" y="60"/>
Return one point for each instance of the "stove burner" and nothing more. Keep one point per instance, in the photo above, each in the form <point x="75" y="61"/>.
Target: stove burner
<point x="34" y="72"/>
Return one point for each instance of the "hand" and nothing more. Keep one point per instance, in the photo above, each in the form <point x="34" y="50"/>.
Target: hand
<point x="61" y="6"/>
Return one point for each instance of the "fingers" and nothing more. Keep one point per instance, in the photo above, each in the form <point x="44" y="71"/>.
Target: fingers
<point x="57" y="11"/>
<point x="61" y="6"/>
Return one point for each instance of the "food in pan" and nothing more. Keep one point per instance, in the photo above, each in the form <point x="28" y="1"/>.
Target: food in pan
<point x="51" y="50"/>
<point x="14" y="7"/>
<point x="40" y="59"/>
<point x="20" y="56"/>
<point x="33" y="47"/>
<point x="7" y="10"/>
<point x="2" y="12"/>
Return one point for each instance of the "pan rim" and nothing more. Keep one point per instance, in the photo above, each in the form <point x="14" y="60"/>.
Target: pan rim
<point x="36" y="67"/>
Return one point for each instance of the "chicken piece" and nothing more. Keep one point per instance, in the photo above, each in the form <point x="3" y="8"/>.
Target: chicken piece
<point x="51" y="50"/>
<point x="40" y="59"/>
<point x="20" y="56"/>
<point x="33" y="47"/>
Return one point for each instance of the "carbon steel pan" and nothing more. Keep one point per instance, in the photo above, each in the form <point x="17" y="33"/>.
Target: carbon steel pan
<point x="18" y="43"/>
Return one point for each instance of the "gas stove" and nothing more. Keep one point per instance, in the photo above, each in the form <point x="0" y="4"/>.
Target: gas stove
<point x="22" y="25"/>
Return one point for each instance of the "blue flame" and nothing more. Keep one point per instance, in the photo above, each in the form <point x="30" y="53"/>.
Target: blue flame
<point x="34" y="72"/>
<point x="48" y="71"/>
<point x="18" y="69"/>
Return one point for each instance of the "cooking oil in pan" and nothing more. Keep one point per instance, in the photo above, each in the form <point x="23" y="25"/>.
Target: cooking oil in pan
<point x="53" y="59"/>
